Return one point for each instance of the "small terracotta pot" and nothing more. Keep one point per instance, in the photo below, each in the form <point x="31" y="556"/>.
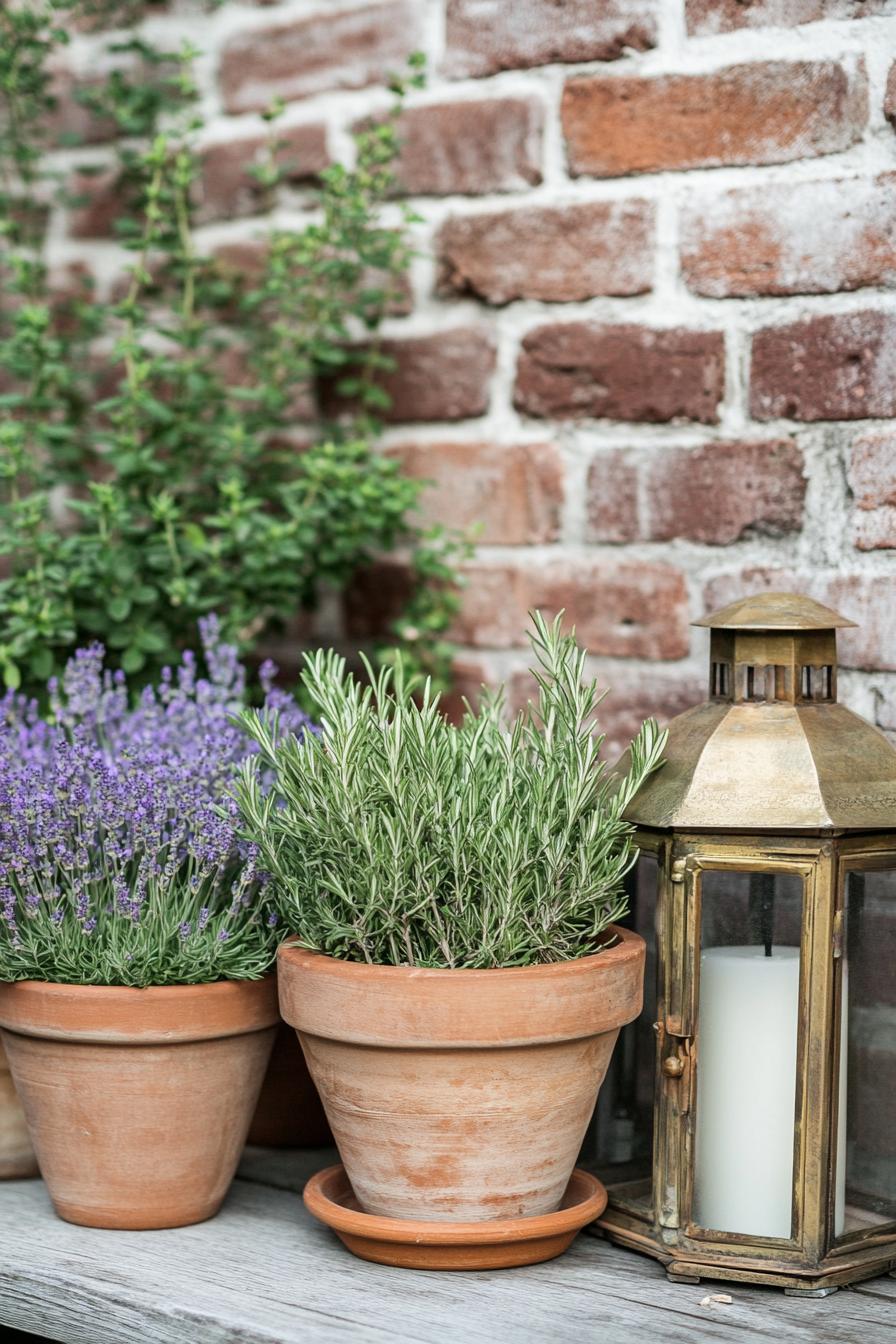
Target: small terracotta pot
<point x="16" y="1154"/>
<point x="138" y="1100"/>
<point x="460" y="1095"/>
<point x="289" y="1113"/>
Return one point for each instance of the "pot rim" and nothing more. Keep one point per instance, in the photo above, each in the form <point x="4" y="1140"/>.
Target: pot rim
<point x="127" y="1015"/>
<point x="401" y="1006"/>
<point x="543" y="969"/>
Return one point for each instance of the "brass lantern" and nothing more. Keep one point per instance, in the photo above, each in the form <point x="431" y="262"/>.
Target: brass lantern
<point x="747" y="1130"/>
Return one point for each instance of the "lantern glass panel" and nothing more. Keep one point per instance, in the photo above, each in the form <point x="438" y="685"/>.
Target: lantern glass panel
<point x="619" y="1143"/>
<point x="747" y="1051"/>
<point x="865" y="1191"/>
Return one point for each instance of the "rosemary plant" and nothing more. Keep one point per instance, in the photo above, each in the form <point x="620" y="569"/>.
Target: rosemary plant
<point x="398" y="838"/>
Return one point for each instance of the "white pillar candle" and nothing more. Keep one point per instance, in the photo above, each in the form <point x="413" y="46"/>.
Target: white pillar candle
<point x="746" y="1089"/>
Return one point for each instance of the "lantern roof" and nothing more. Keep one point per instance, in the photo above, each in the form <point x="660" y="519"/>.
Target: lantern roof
<point x="771" y="749"/>
<point x="775" y="611"/>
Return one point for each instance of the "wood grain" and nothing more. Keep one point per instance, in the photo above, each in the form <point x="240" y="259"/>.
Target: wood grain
<point x="263" y="1272"/>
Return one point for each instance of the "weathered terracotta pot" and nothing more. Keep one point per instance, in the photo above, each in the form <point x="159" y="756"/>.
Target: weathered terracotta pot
<point x="138" y="1100"/>
<point x="460" y="1095"/>
<point x="16" y="1154"/>
<point x="289" y="1113"/>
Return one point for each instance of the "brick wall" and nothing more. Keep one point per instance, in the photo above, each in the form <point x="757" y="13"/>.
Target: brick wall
<point x="651" y="345"/>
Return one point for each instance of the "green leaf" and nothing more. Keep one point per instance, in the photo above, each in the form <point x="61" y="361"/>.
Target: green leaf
<point x="40" y="664"/>
<point x="12" y="677"/>
<point x="132" y="659"/>
<point x="194" y="534"/>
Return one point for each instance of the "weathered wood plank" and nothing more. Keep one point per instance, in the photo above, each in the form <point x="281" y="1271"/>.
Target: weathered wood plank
<point x="264" y="1273"/>
<point x="881" y="1287"/>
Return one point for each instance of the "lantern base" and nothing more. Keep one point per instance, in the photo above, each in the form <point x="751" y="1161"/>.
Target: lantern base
<point x="675" y="1277"/>
<point x="682" y="1278"/>
<point x="693" y="1266"/>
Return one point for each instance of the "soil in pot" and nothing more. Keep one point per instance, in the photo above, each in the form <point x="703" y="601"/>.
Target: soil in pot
<point x="138" y="1101"/>
<point x="16" y="1154"/>
<point x="289" y="1113"/>
<point x="459" y="1095"/>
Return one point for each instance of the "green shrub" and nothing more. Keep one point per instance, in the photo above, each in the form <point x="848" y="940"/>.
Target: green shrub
<point x="398" y="838"/>
<point x="168" y="414"/>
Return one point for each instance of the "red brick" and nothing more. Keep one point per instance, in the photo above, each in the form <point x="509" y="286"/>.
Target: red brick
<point x="244" y="259"/>
<point x="875" y="531"/>
<point x="612" y="497"/>
<point x="468" y="677"/>
<point x="806" y="238"/>
<point x="872" y="469"/>
<point x="99" y="200"/>
<point x="484" y="36"/>
<point x="869" y="599"/>
<point x="100" y="16"/>
<point x="872" y="479"/>
<point x="766" y="112"/>
<point x="470" y="148"/>
<point x="30" y="218"/>
<point x="514" y="492"/>
<point x="232" y="363"/>
<point x="836" y="367"/>
<point x="375" y="598"/>
<point x="711" y="494"/>
<point x="441" y="377"/>
<point x="345" y="49"/>
<point x="227" y="187"/>
<point x="556" y="254"/>
<point x="622" y="609"/>
<point x="890" y="97"/>
<point x="721" y="16"/>
<point x="572" y="370"/>
<point x="70" y="122"/>
<point x="69" y="284"/>
<point x="244" y="262"/>
<point x="628" y="702"/>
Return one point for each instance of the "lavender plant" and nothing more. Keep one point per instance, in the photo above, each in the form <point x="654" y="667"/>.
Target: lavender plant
<point x="398" y="838"/>
<point x="120" y="858"/>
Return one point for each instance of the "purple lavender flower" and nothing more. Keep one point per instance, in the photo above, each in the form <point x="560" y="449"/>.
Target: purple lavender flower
<point x="119" y="843"/>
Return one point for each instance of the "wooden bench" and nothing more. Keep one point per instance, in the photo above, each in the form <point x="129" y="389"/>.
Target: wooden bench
<point x="263" y="1272"/>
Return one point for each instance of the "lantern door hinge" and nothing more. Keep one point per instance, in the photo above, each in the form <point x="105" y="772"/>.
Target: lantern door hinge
<point x="837" y="939"/>
<point x="676" y="1060"/>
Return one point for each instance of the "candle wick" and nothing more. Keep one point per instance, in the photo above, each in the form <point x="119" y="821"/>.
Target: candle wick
<point x="768" y="949"/>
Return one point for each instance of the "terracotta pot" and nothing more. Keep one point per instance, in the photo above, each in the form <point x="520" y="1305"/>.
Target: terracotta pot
<point x="460" y="1095"/>
<point x="16" y="1154"/>
<point x="138" y="1100"/>
<point x="289" y="1113"/>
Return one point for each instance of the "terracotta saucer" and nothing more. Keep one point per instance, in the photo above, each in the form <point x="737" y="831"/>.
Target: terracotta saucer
<point x="414" y="1244"/>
